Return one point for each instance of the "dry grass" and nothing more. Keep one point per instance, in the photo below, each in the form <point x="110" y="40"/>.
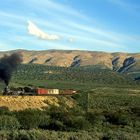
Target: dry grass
<point x="33" y="102"/>
<point x="24" y="102"/>
<point x="65" y="58"/>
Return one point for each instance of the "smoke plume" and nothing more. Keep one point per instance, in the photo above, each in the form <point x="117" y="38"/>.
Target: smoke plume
<point x="8" y="64"/>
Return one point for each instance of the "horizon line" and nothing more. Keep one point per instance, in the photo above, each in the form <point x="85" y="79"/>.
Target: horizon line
<point x="83" y="50"/>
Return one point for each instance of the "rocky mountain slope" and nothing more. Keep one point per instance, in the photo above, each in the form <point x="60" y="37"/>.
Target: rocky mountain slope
<point x="121" y="62"/>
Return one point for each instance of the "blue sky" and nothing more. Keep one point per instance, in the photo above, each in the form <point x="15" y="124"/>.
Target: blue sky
<point x="96" y="25"/>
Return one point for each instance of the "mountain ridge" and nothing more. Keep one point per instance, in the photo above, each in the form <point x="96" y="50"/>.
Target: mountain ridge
<point x="118" y="61"/>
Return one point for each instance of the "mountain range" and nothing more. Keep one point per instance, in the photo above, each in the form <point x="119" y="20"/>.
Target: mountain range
<point x="128" y="63"/>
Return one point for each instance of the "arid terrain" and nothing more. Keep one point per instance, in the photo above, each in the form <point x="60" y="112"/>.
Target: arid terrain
<point x="122" y="62"/>
<point x="33" y="102"/>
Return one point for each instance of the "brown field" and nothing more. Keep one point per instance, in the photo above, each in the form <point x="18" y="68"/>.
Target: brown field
<point x="24" y="102"/>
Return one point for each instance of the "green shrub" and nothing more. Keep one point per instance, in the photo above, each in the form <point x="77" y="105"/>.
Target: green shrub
<point x="56" y="125"/>
<point x="95" y="118"/>
<point x="79" y="122"/>
<point x="4" y="110"/>
<point x="44" y="121"/>
<point x="63" y="118"/>
<point x="8" y="123"/>
<point x="136" y="110"/>
<point x="117" y="118"/>
<point x="29" y="118"/>
<point x="4" y="135"/>
<point x="23" y="135"/>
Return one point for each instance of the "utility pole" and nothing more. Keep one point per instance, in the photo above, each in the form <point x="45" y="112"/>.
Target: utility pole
<point x="87" y="102"/>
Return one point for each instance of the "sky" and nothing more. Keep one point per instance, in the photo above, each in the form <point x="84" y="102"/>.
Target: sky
<point x="94" y="25"/>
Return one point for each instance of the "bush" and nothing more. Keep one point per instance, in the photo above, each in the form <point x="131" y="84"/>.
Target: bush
<point x="56" y="125"/>
<point x="117" y="118"/>
<point x="4" y="135"/>
<point x="79" y="122"/>
<point x="44" y="121"/>
<point x="22" y="135"/>
<point x="136" y="110"/>
<point x="4" y="110"/>
<point x="63" y="118"/>
<point x="9" y="123"/>
<point x="29" y="118"/>
<point x="95" y="118"/>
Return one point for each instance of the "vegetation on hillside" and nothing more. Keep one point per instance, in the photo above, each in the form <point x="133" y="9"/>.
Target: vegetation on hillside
<point x="106" y="106"/>
<point x="75" y="78"/>
<point x="101" y="113"/>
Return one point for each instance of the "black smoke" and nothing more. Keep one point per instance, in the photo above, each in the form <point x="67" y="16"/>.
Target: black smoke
<point x="137" y="78"/>
<point x="8" y="64"/>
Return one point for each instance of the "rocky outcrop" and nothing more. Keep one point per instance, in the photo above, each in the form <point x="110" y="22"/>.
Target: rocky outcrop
<point x="76" y="61"/>
<point x="33" y="60"/>
<point x="48" y="60"/>
<point x="115" y="66"/>
<point x="128" y="63"/>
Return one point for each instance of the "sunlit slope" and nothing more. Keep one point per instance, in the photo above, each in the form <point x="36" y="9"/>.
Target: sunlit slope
<point x="33" y="102"/>
<point x="68" y="57"/>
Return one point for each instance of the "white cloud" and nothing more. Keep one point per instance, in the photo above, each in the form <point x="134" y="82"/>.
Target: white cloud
<point x="71" y="39"/>
<point x="35" y="31"/>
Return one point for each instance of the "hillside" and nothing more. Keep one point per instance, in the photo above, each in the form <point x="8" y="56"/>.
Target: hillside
<point x="24" y="102"/>
<point x="68" y="78"/>
<point x="106" y="103"/>
<point x="122" y="62"/>
<point x="33" y="102"/>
